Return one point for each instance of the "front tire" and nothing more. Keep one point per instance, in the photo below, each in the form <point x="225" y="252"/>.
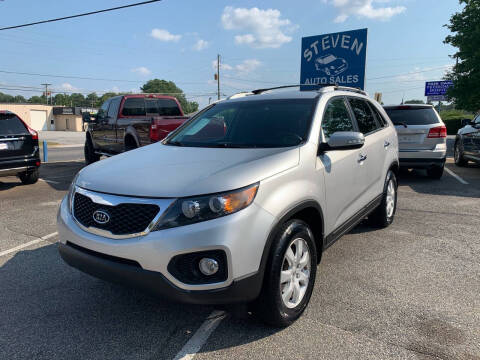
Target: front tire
<point x="458" y="155"/>
<point x="89" y="151"/>
<point x="289" y="275"/>
<point x="28" y="178"/>
<point x="383" y="215"/>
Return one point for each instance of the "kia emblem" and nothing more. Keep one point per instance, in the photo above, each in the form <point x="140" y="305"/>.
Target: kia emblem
<point x="101" y="217"/>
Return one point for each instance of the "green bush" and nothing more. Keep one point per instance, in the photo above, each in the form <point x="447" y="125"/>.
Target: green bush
<point x="453" y="120"/>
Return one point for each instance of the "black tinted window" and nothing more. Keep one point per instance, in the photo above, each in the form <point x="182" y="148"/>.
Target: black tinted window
<point x="168" y="108"/>
<point x="413" y="116"/>
<point x="336" y="118"/>
<point x="249" y="124"/>
<point x="363" y="114"/>
<point x="134" y="107"/>
<point x="11" y="125"/>
<point x="151" y="106"/>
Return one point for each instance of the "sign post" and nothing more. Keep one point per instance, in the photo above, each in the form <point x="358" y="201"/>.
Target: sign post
<point x="337" y="58"/>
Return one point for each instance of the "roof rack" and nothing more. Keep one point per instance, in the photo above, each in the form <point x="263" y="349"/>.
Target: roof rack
<point x="323" y="88"/>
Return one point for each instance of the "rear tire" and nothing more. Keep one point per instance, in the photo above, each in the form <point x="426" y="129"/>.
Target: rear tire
<point x="28" y="178"/>
<point x="383" y="215"/>
<point x="458" y="155"/>
<point x="435" y="172"/>
<point x="89" y="151"/>
<point x="289" y="275"/>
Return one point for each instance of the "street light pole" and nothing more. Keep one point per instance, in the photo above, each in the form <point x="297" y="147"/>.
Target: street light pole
<point x="46" y="92"/>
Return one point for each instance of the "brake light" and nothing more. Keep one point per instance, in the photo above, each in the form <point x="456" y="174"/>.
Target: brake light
<point x="438" y="132"/>
<point x="33" y="133"/>
<point x="154" y="132"/>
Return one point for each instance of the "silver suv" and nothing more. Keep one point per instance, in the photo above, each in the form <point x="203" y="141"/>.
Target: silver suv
<point x="422" y="137"/>
<point x="238" y="204"/>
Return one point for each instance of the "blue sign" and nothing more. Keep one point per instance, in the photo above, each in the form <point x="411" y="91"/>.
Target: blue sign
<point x="437" y="87"/>
<point x="338" y="58"/>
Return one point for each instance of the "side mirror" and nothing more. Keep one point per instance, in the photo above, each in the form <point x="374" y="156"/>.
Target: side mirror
<point x="466" y="122"/>
<point x="343" y="140"/>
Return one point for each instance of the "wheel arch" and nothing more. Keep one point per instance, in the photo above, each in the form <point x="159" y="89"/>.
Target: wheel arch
<point x="131" y="134"/>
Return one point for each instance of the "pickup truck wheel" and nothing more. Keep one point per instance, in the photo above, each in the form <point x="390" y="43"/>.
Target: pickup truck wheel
<point x="289" y="275"/>
<point x="383" y="215"/>
<point x="28" y="178"/>
<point x="130" y="143"/>
<point x="90" y="155"/>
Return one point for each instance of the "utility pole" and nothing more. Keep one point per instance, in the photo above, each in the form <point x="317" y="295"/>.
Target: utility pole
<point x="46" y="92"/>
<point x="218" y="76"/>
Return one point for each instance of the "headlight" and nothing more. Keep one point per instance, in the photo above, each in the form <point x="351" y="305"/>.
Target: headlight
<point x="71" y="193"/>
<point x="201" y="208"/>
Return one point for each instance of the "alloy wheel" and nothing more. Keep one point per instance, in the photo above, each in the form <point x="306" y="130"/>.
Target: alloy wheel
<point x="390" y="198"/>
<point x="295" y="273"/>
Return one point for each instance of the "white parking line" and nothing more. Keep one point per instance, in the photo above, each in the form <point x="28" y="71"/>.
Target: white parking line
<point x="30" y="243"/>
<point x="456" y="176"/>
<point x="201" y="336"/>
<point x="49" y="181"/>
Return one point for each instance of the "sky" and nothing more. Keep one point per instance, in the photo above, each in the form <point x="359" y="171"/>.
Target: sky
<point x="259" y="43"/>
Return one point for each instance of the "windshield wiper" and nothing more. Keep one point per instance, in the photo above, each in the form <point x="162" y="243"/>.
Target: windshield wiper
<point x="175" y="143"/>
<point x="401" y="123"/>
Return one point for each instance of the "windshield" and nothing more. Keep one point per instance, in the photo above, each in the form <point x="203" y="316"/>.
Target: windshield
<point x="249" y="124"/>
<point x="413" y="116"/>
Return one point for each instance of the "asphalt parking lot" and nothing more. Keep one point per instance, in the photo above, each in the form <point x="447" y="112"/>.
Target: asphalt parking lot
<point x="409" y="291"/>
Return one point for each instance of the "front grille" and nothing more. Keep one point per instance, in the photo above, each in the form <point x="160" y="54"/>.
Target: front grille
<point x="124" y="219"/>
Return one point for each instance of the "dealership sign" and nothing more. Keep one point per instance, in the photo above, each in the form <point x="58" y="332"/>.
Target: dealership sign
<point x="338" y="58"/>
<point x="437" y="90"/>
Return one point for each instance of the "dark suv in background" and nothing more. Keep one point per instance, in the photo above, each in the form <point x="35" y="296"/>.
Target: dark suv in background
<point x="467" y="142"/>
<point x="19" y="152"/>
<point x="129" y="121"/>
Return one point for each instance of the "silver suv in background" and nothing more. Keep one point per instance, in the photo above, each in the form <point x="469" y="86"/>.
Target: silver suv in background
<point x="247" y="196"/>
<point x="422" y="137"/>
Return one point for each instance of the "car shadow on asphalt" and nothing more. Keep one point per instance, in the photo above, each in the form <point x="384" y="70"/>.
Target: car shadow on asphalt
<point x="59" y="175"/>
<point x="447" y="185"/>
<point x="50" y="310"/>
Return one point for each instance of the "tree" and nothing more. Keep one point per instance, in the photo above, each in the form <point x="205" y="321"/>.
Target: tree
<point x="5" y="98"/>
<point x="61" y="100"/>
<point x="77" y="99"/>
<point x="92" y="100"/>
<point x="158" y="86"/>
<point x="19" y="99"/>
<point x="466" y="38"/>
<point x="414" y="101"/>
<point x="37" y="99"/>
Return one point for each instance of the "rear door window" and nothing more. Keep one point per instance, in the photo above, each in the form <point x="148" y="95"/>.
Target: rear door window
<point x="134" y="107"/>
<point x="412" y="116"/>
<point x="380" y="119"/>
<point x="10" y="124"/>
<point x="167" y="107"/>
<point x="365" y="119"/>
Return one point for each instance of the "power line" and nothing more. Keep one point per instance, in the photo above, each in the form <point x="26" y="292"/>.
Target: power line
<point x="79" y="15"/>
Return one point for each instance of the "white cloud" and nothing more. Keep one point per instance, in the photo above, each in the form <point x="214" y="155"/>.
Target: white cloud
<point x="370" y="9"/>
<point x="263" y="28"/>
<point x="201" y="45"/>
<point x="248" y="66"/>
<point x="68" y="87"/>
<point x="142" y="70"/>
<point x="245" y="67"/>
<point x="164" y="35"/>
<point x="223" y="66"/>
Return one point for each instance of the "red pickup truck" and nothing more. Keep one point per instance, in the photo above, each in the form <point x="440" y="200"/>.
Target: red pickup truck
<point x="129" y="121"/>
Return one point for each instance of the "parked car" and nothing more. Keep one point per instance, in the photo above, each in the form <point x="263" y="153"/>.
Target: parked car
<point x="422" y="137"/>
<point x="238" y="204"/>
<point x="19" y="152"/>
<point x="467" y="142"/>
<point x="127" y="122"/>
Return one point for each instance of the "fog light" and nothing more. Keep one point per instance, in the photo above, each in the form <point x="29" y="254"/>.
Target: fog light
<point x="208" y="266"/>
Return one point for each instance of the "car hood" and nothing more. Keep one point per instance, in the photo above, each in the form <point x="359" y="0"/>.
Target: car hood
<point x="170" y="171"/>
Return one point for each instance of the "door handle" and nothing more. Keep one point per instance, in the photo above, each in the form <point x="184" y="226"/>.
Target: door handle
<point x="362" y="158"/>
<point x="386" y="144"/>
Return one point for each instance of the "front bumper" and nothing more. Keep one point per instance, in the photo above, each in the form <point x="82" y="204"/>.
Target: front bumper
<point x="115" y="271"/>
<point x="242" y="236"/>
